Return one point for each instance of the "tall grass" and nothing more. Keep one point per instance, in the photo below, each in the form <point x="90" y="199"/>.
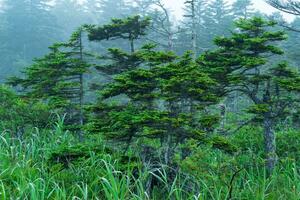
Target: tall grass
<point x="25" y="173"/>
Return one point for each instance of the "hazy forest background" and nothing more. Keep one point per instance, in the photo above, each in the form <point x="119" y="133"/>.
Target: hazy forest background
<point x="122" y="99"/>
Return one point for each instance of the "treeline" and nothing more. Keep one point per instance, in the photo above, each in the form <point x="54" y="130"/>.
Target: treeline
<point x="134" y="83"/>
<point x="155" y="98"/>
<point x="27" y="28"/>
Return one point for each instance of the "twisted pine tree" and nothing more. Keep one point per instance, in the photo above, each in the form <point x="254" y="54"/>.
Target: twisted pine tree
<point x="130" y="28"/>
<point x="167" y="97"/>
<point x="242" y="64"/>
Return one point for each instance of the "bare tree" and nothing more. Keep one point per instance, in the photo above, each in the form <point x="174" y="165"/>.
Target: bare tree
<point x="163" y="26"/>
<point x="192" y="15"/>
<point x="287" y="6"/>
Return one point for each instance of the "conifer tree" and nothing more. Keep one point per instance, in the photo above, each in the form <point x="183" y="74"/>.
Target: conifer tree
<point x="219" y="19"/>
<point x="33" y="28"/>
<point x="130" y="28"/>
<point x="183" y="43"/>
<point x="241" y="64"/>
<point x="118" y="60"/>
<point x="166" y="96"/>
<point x="242" y="9"/>
<point x="57" y="78"/>
<point x="293" y="43"/>
<point x="71" y="14"/>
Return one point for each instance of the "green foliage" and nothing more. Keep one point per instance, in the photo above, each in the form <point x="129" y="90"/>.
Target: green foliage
<point x="130" y="28"/>
<point x="51" y="78"/>
<point x="151" y="133"/>
<point x="206" y="174"/>
<point x="17" y="114"/>
<point x="166" y="98"/>
<point x="242" y="64"/>
<point x="57" y="78"/>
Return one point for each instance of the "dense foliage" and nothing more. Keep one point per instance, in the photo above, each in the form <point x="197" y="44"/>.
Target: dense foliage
<point x="124" y="109"/>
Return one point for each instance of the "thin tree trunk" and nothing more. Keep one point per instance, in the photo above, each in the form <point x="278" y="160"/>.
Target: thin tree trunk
<point x="81" y="95"/>
<point x="270" y="144"/>
<point x="168" y="149"/>
<point x="81" y="116"/>
<point x="132" y="46"/>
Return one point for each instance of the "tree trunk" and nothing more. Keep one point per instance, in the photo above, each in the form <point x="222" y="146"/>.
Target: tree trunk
<point x="81" y="115"/>
<point x="132" y="46"/>
<point x="270" y="144"/>
<point x="168" y="150"/>
<point x="81" y="95"/>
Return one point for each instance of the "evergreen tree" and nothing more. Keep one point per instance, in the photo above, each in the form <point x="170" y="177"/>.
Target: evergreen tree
<point x="219" y="19"/>
<point x="32" y="27"/>
<point x="71" y="14"/>
<point x="183" y="42"/>
<point x="166" y="97"/>
<point x="241" y="64"/>
<point x="130" y="28"/>
<point x="17" y="114"/>
<point x="57" y="78"/>
<point x="242" y="9"/>
<point x="292" y="45"/>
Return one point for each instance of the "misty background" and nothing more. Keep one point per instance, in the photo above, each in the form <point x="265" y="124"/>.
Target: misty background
<point x="28" y="27"/>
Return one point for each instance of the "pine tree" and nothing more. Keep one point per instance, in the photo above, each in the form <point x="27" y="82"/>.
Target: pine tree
<point x="183" y="42"/>
<point x="130" y="28"/>
<point x="34" y="20"/>
<point x="242" y="9"/>
<point x="219" y="19"/>
<point x="71" y="14"/>
<point x="28" y="30"/>
<point x="293" y="43"/>
<point x="166" y="96"/>
<point x="117" y="60"/>
<point x="241" y="64"/>
<point x="57" y="79"/>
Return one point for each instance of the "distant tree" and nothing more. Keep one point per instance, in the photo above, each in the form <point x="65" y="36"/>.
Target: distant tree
<point x="183" y="43"/>
<point x="142" y="7"/>
<point x="241" y="64"/>
<point x="290" y="6"/>
<point x="94" y="9"/>
<point x="219" y="19"/>
<point x="163" y="31"/>
<point x="293" y="43"/>
<point x="37" y="25"/>
<point x="28" y="28"/>
<point x="71" y="14"/>
<point x="212" y="19"/>
<point x="242" y="9"/>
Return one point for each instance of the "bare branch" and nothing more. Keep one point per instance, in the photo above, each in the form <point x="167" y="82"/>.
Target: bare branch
<point x="289" y="6"/>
